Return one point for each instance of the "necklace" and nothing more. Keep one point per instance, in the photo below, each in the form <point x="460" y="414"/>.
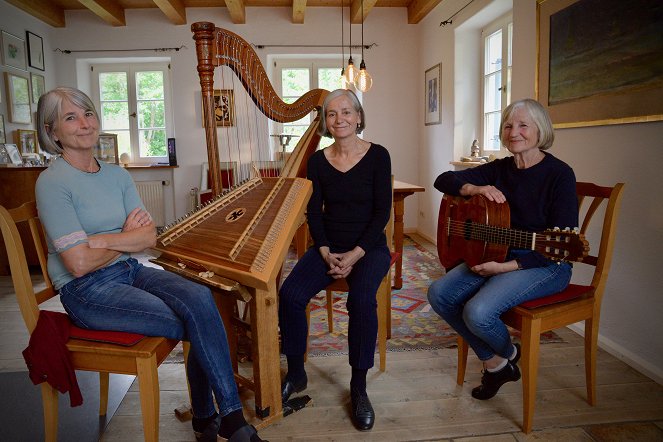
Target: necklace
<point x="96" y="163"/>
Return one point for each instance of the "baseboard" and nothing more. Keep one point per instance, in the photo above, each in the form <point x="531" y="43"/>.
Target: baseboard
<point x="624" y="355"/>
<point x="426" y="237"/>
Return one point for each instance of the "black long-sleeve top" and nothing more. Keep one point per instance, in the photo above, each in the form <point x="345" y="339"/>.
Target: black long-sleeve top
<point x="349" y="209"/>
<point x="540" y="197"/>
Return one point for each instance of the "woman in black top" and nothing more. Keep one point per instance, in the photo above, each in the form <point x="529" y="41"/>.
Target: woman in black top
<point x="541" y="192"/>
<point x="347" y="214"/>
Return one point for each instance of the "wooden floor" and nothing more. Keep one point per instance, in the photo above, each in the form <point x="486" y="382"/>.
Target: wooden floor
<point x="415" y="399"/>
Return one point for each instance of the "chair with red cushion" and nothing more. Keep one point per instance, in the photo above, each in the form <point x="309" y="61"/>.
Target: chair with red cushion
<point x="90" y="350"/>
<point x="575" y="303"/>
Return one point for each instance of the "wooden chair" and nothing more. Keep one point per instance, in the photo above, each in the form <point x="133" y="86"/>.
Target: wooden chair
<point x="575" y="303"/>
<point x="140" y="359"/>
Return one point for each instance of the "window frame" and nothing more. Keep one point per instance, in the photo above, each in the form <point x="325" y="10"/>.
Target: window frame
<point x="131" y="69"/>
<point x="505" y="24"/>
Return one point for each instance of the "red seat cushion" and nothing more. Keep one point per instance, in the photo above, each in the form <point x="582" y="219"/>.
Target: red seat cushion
<point x="110" y="337"/>
<point x="571" y="292"/>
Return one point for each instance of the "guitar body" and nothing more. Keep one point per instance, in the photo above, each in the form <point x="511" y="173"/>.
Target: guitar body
<point x="458" y="218"/>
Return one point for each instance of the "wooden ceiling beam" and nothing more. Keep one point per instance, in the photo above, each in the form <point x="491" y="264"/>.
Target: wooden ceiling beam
<point x="418" y="9"/>
<point x="109" y="11"/>
<point x="298" y="11"/>
<point x="237" y="10"/>
<point x="173" y="9"/>
<point x="357" y="15"/>
<point x="44" y="10"/>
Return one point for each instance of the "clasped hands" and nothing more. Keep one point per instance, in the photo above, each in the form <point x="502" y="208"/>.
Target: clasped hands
<point x="340" y="264"/>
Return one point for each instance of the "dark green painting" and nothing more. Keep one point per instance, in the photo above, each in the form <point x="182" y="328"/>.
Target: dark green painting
<point x="600" y="47"/>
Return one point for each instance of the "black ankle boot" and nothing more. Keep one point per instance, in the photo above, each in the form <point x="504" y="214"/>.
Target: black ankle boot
<point x="492" y="381"/>
<point x="289" y="387"/>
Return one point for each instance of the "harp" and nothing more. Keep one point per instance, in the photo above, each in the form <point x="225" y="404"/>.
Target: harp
<point x="239" y="241"/>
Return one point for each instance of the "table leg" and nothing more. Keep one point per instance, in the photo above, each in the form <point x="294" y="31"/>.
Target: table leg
<point x="399" y="210"/>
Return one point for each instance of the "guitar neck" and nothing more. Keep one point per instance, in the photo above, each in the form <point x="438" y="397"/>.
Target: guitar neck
<point x="498" y="235"/>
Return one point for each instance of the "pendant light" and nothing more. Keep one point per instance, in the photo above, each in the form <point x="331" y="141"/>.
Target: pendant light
<point x="350" y="70"/>
<point x="363" y="81"/>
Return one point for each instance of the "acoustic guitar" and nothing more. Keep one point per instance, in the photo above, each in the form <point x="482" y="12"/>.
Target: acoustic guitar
<point x="477" y="230"/>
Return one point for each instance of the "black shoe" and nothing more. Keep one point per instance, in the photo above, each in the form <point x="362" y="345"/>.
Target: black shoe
<point x="206" y="429"/>
<point x="247" y="433"/>
<point x="516" y="358"/>
<point x="289" y="387"/>
<point x="363" y="415"/>
<point x="491" y="382"/>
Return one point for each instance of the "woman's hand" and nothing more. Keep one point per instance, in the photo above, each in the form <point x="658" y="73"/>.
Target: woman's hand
<point x="136" y="219"/>
<point x="340" y="264"/>
<point x="490" y="192"/>
<point x="494" y="268"/>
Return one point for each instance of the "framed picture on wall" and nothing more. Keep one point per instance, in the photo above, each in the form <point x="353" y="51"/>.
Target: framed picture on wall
<point x="600" y="68"/>
<point x="18" y="98"/>
<point x="224" y="107"/>
<point x="13" y="51"/>
<point x="432" y="87"/>
<point x="35" y="51"/>
<point x="107" y="149"/>
<point x="38" y="86"/>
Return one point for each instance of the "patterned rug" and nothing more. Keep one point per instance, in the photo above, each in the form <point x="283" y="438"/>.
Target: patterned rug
<point x="415" y="325"/>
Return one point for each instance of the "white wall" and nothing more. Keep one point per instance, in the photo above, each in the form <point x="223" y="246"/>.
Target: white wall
<point x="631" y="325"/>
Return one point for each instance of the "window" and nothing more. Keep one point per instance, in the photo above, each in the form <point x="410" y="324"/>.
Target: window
<point x="134" y="103"/>
<point x="496" y="79"/>
<point x="293" y="79"/>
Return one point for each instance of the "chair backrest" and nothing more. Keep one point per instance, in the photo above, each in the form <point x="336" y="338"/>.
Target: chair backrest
<point x="600" y="257"/>
<point x="28" y="299"/>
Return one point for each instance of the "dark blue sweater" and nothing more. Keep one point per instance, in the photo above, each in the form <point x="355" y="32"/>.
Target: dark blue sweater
<point x="540" y="197"/>
<point x="352" y="208"/>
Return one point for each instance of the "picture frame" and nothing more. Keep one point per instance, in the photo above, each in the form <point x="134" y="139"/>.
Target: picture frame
<point x="432" y="87"/>
<point x="38" y="86"/>
<point x="14" y="154"/>
<point x="35" y="50"/>
<point x="107" y="148"/>
<point x="599" y="80"/>
<point x="224" y="107"/>
<point x="26" y="140"/>
<point x="13" y="51"/>
<point x="3" y="135"/>
<point x="5" y="160"/>
<point x="18" y="98"/>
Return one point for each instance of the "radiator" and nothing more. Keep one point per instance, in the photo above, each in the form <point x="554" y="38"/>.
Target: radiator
<point x="151" y="192"/>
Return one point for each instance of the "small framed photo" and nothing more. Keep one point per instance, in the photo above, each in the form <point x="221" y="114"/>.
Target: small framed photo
<point x="432" y="99"/>
<point x="3" y="137"/>
<point x="13" y="51"/>
<point x="14" y="154"/>
<point x="35" y="50"/>
<point x="38" y="86"/>
<point x="27" y="141"/>
<point x="18" y="98"/>
<point x="107" y="149"/>
<point x="224" y="107"/>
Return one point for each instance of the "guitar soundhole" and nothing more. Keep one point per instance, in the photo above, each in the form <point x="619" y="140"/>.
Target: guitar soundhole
<point x="467" y="229"/>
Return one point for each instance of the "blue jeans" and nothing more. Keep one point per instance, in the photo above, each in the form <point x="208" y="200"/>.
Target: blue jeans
<point x="130" y="297"/>
<point x="309" y="277"/>
<point x="472" y="304"/>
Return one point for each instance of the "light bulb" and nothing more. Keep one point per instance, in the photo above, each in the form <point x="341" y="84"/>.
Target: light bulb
<point x="344" y="81"/>
<point x="364" y="80"/>
<point x="350" y="72"/>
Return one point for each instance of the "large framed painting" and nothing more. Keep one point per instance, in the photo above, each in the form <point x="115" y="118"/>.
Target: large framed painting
<point x="600" y="61"/>
<point x="18" y="98"/>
